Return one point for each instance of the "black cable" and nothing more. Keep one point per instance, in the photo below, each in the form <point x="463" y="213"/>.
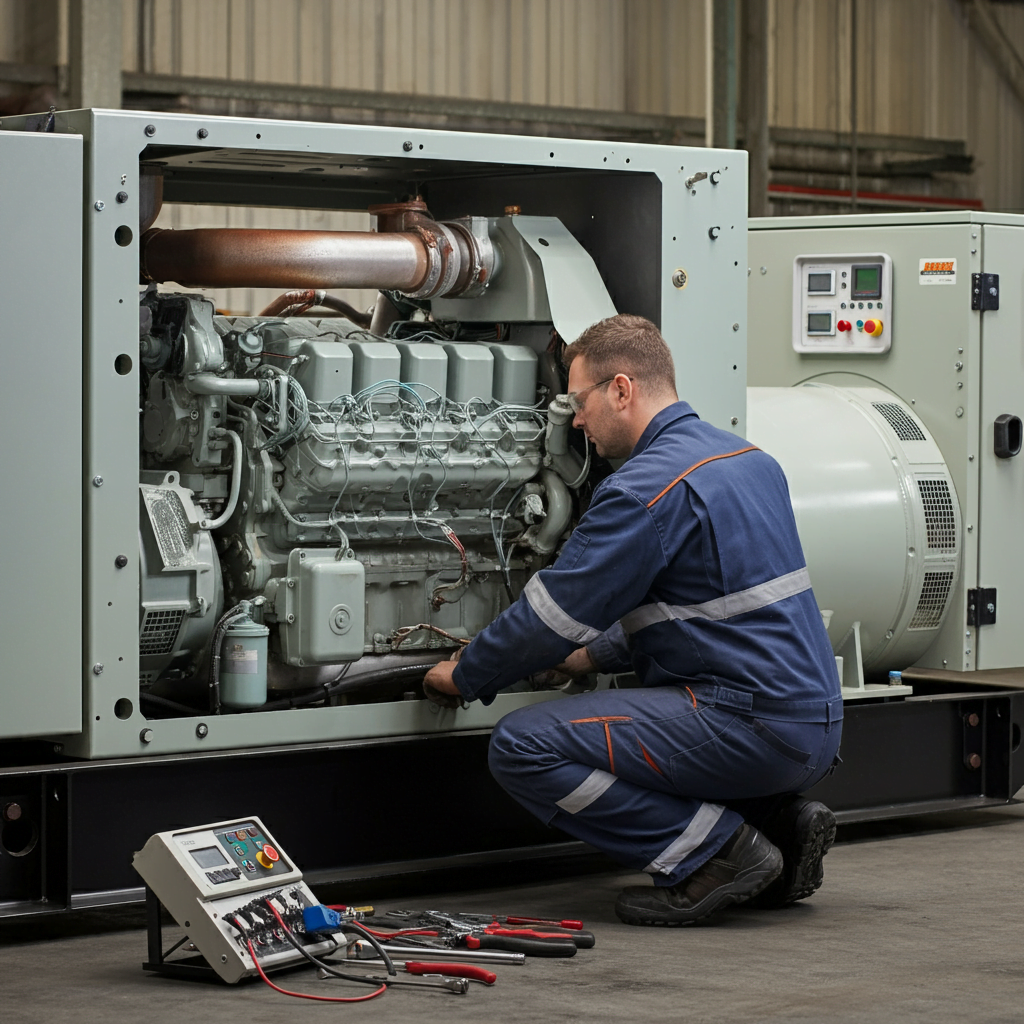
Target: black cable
<point x="381" y="676"/>
<point x="172" y="705"/>
<point x="361" y="978"/>
<point x="372" y="939"/>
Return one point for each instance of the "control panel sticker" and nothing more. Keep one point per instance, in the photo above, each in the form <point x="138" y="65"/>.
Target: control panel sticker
<point x="937" y="270"/>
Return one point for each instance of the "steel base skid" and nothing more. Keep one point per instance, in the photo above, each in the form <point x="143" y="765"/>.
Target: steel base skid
<point x="382" y="811"/>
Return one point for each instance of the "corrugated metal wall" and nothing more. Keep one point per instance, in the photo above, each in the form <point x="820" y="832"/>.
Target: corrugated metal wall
<point x="920" y="70"/>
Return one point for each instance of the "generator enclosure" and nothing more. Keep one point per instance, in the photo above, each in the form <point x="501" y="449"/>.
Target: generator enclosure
<point x="251" y="527"/>
<point x="906" y="407"/>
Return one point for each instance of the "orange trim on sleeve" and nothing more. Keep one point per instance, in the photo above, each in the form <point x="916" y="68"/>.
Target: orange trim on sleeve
<point x="694" y="699"/>
<point x="703" y="462"/>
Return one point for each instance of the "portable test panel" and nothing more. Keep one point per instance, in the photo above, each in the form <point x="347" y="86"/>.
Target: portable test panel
<point x="210" y="878"/>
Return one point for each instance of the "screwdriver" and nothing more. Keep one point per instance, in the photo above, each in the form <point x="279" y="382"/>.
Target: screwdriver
<point x="449" y="970"/>
<point x="457" y="985"/>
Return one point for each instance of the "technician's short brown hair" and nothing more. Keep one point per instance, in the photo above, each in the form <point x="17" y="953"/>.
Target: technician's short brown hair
<point x="626" y="344"/>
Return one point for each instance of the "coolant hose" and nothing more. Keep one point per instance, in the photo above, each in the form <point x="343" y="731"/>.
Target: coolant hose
<point x="236" y="480"/>
<point x="240" y="611"/>
<point x="559" y="456"/>
<point x="559" y="512"/>
<point x="211" y="384"/>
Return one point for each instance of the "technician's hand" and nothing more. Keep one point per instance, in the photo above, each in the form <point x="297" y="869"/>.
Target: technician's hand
<point x="438" y="685"/>
<point x="578" y="663"/>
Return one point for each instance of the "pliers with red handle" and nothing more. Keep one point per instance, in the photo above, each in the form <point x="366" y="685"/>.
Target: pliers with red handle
<point x="452" y="932"/>
<point x="494" y="936"/>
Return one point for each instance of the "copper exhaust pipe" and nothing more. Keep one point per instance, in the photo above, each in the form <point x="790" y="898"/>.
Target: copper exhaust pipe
<point x="255" y="258"/>
<point x="409" y="253"/>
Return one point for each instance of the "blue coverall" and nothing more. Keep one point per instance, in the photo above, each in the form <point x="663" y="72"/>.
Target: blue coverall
<point x="687" y="569"/>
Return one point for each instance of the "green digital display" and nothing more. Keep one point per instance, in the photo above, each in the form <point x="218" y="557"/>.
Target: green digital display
<point x="819" y="323"/>
<point x="867" y="282"/>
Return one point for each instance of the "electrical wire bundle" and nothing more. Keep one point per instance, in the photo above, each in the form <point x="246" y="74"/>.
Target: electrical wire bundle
<point x="267" y="914"/>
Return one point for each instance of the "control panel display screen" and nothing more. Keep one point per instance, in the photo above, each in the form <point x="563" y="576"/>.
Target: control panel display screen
<point x="819" y="323"/>
<point x="209" y="857"/>
<point x="820" y="284"/>
<point x="867" y="282"/>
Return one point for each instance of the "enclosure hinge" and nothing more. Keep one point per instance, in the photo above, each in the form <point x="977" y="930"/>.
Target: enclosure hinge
<point x="981" y="606"/>
<point x="984" y="292"/>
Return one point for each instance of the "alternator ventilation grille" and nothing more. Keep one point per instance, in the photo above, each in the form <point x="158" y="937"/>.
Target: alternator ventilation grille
<point x="906" y="429"/>
<point x="939" y="517"/>
<point x="159" y="631"/>
<point x="932" y="602"/>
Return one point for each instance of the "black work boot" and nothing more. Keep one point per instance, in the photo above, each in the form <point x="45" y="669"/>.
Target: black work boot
<point x="803" y="830"/>
<point x="740" y="869"/>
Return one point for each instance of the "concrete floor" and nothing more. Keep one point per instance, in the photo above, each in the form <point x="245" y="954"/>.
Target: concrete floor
<point x="918" y="920"/>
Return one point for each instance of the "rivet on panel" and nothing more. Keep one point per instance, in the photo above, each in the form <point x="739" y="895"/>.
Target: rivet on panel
<point x="150" y="130"/>
<point x="97" y="669"/>
<point x="99" y="205"/>
<point x="97" y="481"/>
<point x="146" y="736"/>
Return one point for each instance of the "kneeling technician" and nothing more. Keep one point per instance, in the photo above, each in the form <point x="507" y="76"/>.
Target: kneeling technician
<point x="687" y="570"/>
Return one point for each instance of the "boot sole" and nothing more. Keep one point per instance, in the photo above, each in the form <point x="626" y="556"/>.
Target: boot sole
<point x="803" y="871"/>
<point x="746" y="884"/>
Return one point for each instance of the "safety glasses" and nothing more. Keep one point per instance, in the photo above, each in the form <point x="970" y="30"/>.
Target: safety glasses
<point x="576" y="403"/>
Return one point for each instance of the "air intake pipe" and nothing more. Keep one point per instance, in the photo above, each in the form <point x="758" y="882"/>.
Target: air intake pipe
<point x="409" y="252"/>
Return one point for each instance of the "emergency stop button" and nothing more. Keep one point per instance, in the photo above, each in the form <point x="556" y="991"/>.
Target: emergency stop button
<point x="268" y="856"/>
<point x="873" y="327"/>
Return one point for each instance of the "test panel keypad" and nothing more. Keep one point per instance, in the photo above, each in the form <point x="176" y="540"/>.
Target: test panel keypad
<point x="241" y="852"/>
<point x="842" y="303"/>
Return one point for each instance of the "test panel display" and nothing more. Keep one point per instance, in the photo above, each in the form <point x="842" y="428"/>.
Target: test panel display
<point x="842" y="303"/>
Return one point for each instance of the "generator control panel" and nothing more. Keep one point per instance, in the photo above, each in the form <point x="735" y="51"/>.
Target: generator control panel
<point x="216" y="881"/>
<point x="842" y="304"/>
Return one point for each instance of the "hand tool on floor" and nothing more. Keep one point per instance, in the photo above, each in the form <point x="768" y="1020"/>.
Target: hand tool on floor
<point x="460" y="986"/>
<point x="568" y="924"/>
<point x="523" y="925"/>
<point x="455" y="932"/>
<point x="450" y="970"/>
<point x="362" y="950"/>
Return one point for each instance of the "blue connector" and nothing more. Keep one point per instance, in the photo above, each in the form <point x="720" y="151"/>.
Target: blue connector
<point x="320" y="919"/>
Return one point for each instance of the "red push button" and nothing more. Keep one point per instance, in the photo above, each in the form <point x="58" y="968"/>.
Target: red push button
<point x="268" y="856"/>
<point x="843" y="326"/>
